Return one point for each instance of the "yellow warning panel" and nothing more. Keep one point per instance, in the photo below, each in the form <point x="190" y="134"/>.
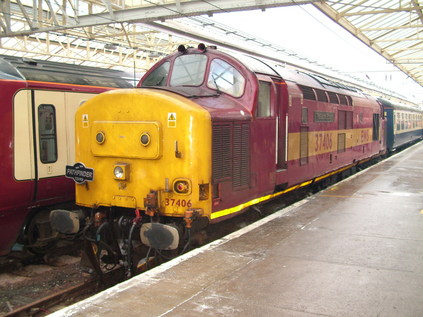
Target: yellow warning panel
<point x="85" y="121"/>
<point x="171" y="120"/>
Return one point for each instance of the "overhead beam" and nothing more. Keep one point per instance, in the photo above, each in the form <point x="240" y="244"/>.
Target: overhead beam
<point x="156" y="12"/>
<point x="383" y="11"/>
<point x="396" y="27"/>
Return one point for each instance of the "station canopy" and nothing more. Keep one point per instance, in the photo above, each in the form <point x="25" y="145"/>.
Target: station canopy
<point x="133" y="34"/>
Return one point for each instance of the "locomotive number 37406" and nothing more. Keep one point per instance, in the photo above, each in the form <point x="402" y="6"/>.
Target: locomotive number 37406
<point x="177" y="202"/>
<point x="323" y="141"/>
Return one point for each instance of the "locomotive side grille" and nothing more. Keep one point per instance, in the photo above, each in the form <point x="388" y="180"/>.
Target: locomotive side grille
<point x="304" y="146"/>
<point x="221" y="157"/>
<point x="308" y="93"/>
<point x="333" y="98"/>
<point x="241" y="156"/>
<point x="341" y="142"/>
<point x="231" y="154"/>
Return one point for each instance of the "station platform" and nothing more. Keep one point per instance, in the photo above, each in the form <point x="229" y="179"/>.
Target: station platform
<point x="354" y="249"/>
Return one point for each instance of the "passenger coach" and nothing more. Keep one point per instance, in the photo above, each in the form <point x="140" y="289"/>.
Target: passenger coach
<point x="404" y="124"/>
<point x="38" y="103"/>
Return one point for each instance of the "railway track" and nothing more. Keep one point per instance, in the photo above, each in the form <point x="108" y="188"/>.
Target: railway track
<point x="44" y="305"/>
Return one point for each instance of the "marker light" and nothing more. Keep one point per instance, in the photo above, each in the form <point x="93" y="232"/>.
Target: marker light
<point x="182" y="186"/>
<point x="201" y="47"/>
<point x="182" y="49"/>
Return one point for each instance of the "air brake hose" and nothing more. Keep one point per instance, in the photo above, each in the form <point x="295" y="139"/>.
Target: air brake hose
<point x="129" y="253"/>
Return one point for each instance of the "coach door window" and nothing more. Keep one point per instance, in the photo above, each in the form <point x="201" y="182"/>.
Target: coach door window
<point x="263" y="106"/>
<point x="47" y="133"/>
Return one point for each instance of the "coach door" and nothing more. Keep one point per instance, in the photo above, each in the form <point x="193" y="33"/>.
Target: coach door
<point x="50" y="141"/>
<point x="54" y="113"/>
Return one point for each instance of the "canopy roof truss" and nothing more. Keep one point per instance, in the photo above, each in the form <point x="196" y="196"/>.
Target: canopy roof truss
<point x="124" y="33"/>
<point x="392" y="28"/>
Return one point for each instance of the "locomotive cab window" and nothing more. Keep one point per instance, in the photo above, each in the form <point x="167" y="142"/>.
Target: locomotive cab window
<point x="188" y="70"/>
<point x="263" y="103"/>
<point x="47" y="133"/>
<point x="225" y="78"/>
<point x="158" y="77"/>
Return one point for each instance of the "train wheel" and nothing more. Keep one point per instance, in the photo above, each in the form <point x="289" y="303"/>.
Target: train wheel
<point x="39" y="236"/>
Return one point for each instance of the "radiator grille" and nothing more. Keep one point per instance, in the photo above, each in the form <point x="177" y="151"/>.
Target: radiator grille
<point x="341" y="142"/>
<point x="241" y="156"/>
<point x="221" y="152"/>
<point x="308" y="93"/>
<point x="231" y="154"/>
<point x="304" y="146"/>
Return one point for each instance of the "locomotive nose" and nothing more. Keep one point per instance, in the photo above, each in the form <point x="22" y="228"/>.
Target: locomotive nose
<point x="140" y="141"/>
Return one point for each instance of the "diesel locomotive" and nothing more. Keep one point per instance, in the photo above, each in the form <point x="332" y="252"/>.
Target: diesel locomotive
<point x="204" y="136"/>
<point x="38" y="103"/>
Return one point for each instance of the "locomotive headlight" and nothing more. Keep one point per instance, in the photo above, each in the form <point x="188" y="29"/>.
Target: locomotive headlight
<point x="182" y="186"/>
<point x="100" y="137"/>
<point x="121" y="171"/>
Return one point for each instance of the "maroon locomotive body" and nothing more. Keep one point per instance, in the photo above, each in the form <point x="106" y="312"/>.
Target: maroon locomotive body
<point x="282" y="130"/>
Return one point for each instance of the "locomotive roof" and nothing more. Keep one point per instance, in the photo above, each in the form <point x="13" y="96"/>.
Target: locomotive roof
<point x="19" y="68"/>
<point x="259" y="66"/>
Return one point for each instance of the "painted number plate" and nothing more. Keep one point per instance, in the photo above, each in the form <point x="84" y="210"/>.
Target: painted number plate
<point x="170" y="202"/>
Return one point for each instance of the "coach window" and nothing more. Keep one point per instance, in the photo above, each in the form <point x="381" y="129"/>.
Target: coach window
<point x="263" y="106"/>
<point x="47" y="133"/>
<point x="225" y="78"/>
<point x="158" y="76"/>
<point x="402" y="121"/>
<point x="188" y="70"/>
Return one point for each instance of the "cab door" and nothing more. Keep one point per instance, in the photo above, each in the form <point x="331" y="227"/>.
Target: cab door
<point x="281" y="124"/>
<point x="265" y="135"/>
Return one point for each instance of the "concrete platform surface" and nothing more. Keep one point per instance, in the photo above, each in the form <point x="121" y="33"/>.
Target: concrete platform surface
<point x="356" y="250"/>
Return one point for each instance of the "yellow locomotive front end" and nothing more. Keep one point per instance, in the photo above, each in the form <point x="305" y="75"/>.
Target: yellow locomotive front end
<point x="149" y="154"/>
